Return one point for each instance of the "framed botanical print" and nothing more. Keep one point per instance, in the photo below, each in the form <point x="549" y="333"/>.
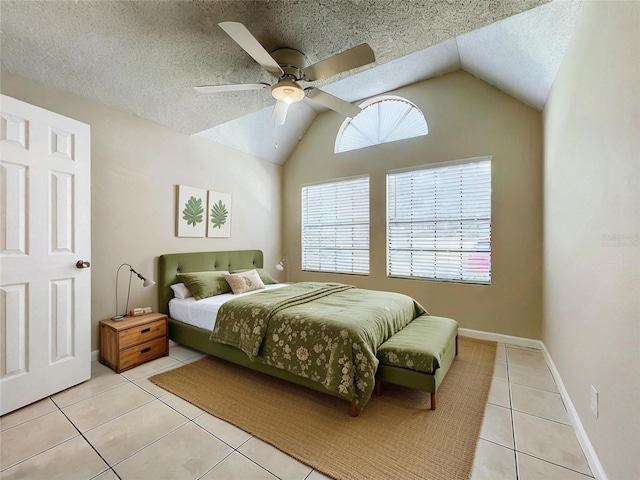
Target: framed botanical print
<point x="191" y="213"/>
<point x="219" y="215"/>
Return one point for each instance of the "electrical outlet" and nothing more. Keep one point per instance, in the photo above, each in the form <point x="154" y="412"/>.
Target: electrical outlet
<point x="594" y="401"/>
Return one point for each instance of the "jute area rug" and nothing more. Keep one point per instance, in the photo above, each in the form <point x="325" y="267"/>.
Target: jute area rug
<point x="396" y="436"/>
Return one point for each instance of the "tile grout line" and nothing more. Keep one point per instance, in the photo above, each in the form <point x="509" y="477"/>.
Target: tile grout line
<point x="189" y="420"/>
<point x="215" y="465"/>
<point x="542" y="418"/>
<point x="6" y="429"/>
<point x="537" y="388"/>
<point x="513" y="424"/>
<point x="110" y="467"/>
<point x="234" y="449"/>
<point x="132" y="381"/>
<point x="58" y="408"/>
<point x="557" y="465"/>
<point x="147" y="446"/>
<point x="549" y="461"/>
<point x="86" y="440"/>
<point x="57" y="444"/>
<point x="516" y="451"/>
<point x="262" y="466"/>
<point x="4" y="469"/>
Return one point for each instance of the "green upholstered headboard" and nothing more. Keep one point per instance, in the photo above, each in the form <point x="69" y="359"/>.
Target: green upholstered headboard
<point x="173" y="263"/>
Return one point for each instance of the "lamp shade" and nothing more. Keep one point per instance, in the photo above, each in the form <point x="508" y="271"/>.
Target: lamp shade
<point x="145" y="283"/>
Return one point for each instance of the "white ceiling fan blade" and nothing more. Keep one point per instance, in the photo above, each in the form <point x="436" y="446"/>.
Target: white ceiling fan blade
<point x="236" y="87"/>
<point x="334" y="103"/>
<point x="243" y="37"/>
<point x="279" y="113"/>
<point x="352" y="58"/>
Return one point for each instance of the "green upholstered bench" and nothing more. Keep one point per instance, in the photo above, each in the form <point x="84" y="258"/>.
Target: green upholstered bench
<point x="419" y="355"/>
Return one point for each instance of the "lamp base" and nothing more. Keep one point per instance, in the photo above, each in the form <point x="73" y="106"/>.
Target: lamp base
<point x="117" y="318"/>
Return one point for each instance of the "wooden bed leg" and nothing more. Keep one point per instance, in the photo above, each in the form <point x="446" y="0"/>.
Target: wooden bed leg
<point x="353" y="410"/>
<point x="433" y="400"/>
<point x="456" y="345"/>
<point x="378" y="388"/>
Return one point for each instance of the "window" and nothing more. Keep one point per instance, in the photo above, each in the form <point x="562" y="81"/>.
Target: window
<point x="439" y="222"/>
<point x="335" y="226"/>
<point x="382" y="119"/>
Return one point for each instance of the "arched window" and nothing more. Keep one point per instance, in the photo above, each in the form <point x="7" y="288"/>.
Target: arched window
<point x="383" y="119"/>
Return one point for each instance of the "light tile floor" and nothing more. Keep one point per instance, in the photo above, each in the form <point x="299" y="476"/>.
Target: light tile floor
<point x="123" y="426"/>
<point x="526" y="433"/>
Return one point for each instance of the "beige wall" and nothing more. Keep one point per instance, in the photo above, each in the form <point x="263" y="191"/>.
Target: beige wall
<point x="136" y="165"/>
<point x="592" y="229"/>
<point x="466" y="118"/>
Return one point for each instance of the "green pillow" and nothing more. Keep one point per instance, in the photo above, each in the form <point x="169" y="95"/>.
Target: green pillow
<point x="205" y="284"/>
<point x="265" y="276"/>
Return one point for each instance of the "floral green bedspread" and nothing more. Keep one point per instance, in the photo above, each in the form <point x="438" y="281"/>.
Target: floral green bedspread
<point x="327" y="332"/>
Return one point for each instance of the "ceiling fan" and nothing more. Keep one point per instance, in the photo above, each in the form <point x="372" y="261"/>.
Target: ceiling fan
<point x="290" y="67"/>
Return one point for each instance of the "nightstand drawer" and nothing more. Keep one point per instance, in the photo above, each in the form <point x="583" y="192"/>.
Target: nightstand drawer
<point x="142" y="353"/>
<point x="142" y="333"/>
<point x="132" y="341"/>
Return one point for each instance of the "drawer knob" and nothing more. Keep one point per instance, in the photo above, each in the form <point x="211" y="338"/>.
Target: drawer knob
<point x="145" y="350"/>
<point x="145" y="330"/>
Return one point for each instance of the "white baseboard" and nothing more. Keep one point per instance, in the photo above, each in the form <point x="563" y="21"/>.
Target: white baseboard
<point x="498" y="337"/>
<point x="583" y="439"/>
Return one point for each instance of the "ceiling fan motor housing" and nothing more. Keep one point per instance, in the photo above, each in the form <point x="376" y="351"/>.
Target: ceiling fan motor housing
<point x="291" y="61"/>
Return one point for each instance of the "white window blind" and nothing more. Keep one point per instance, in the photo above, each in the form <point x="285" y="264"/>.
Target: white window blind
<point x="335" y="226"/>
<point x="382" y="119"/>
<point x="439" y="222"/>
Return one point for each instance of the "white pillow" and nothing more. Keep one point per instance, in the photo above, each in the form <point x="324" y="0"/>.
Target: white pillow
<point x="180" y="291"/>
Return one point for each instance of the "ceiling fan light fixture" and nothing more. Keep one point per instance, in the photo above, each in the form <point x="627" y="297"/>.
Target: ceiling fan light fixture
<point x="287" y="91"/>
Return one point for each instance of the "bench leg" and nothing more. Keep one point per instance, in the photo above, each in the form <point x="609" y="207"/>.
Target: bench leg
<point x="433" y="401"/>
<point x="456" y="345"/>
<point x="378" y="387"/>
<point x="353" y="410"/>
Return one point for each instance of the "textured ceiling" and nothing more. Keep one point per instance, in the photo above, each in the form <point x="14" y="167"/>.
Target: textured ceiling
<point x="144" y="57"/>
<point x="520" y="55"/>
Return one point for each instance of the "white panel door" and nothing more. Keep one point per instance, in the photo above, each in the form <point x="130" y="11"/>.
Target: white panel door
<point x="45" y="230"/>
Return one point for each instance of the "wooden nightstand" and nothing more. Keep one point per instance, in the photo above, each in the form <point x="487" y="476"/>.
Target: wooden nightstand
<point x="133" y="341"/>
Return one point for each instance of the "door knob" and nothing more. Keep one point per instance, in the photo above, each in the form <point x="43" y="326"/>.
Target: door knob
<point x="82" y="264"/>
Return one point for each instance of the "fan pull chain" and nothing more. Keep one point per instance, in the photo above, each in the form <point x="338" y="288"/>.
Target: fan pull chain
<point x="300" y="122"/>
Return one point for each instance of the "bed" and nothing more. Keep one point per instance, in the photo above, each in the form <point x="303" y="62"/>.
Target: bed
<point x="349" y="365"/>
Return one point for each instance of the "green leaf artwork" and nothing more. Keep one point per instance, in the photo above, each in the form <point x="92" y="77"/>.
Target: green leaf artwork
<point x="219" y="214"/>
<point x="193" y="211"/>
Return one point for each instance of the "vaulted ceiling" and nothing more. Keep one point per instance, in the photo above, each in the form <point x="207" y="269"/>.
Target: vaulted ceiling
<point x="145" y="57"/>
